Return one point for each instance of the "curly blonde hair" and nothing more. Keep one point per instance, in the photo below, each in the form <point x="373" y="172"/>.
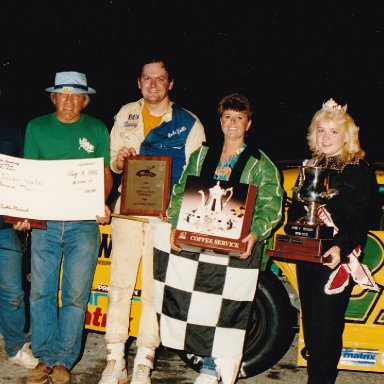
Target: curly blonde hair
<point x="344" y="120"/>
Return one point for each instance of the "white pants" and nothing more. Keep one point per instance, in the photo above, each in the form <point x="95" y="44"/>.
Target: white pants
<point x="131" y="241"/>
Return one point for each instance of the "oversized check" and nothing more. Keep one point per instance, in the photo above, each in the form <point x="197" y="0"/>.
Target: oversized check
<point x="52" y="189"/>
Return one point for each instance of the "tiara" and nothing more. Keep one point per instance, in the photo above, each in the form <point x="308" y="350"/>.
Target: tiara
<point x="331" y="106"/>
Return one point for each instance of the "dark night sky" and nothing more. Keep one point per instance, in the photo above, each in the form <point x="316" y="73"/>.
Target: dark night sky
<point x="286" y="56"/>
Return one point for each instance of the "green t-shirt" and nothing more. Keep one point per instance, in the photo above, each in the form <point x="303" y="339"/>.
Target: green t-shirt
<point x="47" y="138"/>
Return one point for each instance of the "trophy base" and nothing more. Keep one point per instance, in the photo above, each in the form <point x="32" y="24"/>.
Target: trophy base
<point x="297" y="248"/>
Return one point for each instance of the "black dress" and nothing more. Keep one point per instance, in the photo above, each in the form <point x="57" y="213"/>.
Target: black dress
<point x="323" y="314"/>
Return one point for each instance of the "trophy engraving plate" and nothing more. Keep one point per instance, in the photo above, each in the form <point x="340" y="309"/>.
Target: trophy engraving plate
<point x="146" y="185"/>
<point x="308" y="230"/>
<point x="215" y="216"/>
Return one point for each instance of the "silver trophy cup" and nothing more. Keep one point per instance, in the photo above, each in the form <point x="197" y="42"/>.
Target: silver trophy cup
<point x="307" y="239"/>
<point x="313" y="190"/>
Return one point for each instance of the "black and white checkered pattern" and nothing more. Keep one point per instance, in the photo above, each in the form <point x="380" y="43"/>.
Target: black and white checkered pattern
<point x="203" y="301"/>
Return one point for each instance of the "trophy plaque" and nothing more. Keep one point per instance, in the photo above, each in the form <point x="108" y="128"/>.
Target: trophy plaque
<point x="215" y="216"/>
<point x="308" y="238"/>
<point x="146" y="185"/>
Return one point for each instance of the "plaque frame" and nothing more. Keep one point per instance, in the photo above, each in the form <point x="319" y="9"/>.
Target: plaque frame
<point x="215" y="244"/>
<point x="148" y="176"/>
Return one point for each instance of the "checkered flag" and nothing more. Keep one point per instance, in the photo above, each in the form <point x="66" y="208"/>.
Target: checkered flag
<point x="203" y="301"/>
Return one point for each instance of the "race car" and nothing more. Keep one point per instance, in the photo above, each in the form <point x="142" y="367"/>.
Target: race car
<point x="275" y="317"/>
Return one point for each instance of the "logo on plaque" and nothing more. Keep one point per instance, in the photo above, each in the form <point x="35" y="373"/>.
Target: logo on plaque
<point x="308" y="238"/>
<point x="215" y="216"/>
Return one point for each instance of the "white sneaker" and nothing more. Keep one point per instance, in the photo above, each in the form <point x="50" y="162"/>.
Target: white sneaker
<point x="141" y="374"/>
<point x="114" y="373"/>
<point x="206" y="379"/>
<point x="25" y="358"/>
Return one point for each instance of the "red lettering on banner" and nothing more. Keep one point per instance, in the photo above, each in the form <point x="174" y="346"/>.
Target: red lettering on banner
<point x="96" y="318"/>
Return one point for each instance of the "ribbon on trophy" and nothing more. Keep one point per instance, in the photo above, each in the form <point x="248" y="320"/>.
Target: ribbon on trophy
<point x="339" y="278"/>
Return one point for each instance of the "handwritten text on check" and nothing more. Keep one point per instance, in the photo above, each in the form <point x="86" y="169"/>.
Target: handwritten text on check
<point x="52" y="189"/>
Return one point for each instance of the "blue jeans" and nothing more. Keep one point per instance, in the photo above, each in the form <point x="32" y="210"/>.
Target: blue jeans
<point x="57" y="333"/>
<point x="209" y="366"/>
<point x="12" y="309"/>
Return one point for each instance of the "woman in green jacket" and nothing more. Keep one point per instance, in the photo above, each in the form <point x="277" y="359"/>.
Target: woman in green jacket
<point x="235" y="161"/>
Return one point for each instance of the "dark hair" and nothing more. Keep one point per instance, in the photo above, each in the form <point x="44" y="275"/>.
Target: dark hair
<point x="164" y="61"/>
<point x="236" y="102"/>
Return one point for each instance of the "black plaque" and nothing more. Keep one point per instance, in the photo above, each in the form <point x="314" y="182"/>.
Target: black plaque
<point x="309" y="230"/>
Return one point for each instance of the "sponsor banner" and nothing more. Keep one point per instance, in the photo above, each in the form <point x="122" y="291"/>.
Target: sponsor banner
<point x="96" y="316"/>
<point x="369" y="357"/>
<point x="359" y="357"/>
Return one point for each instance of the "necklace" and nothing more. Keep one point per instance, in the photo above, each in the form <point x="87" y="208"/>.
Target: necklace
<point x="224" y="169"/>
<point x="334" y="162"/>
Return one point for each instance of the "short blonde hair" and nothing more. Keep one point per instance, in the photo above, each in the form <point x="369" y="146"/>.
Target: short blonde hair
<point x="345" y="121"/>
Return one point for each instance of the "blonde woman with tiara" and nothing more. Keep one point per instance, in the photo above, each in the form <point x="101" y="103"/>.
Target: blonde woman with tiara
<point x="325" y="289"/>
